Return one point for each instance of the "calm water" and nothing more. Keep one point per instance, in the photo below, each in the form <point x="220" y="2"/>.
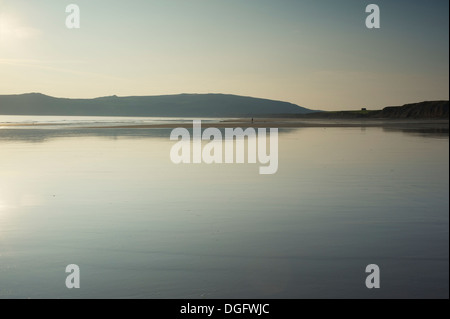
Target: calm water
<point x="112" y="202"/>
<point x="55" y="122"/>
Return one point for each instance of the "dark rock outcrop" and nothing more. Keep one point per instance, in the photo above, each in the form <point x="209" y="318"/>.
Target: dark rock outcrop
<point x="423" y="110"/>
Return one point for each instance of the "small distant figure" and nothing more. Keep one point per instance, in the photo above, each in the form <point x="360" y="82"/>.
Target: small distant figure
<point x="252" y="119"/>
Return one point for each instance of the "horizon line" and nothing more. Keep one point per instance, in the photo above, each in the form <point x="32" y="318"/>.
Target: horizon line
<point x="209" y="93"/>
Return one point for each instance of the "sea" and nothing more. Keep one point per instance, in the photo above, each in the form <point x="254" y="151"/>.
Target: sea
<point x="74" y="191"/>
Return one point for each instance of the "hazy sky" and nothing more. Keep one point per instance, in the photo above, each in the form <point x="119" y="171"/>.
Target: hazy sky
<point x="317" y="54"/>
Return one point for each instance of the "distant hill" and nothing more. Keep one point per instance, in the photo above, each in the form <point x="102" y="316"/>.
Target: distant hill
<point x="183" y="105"/>
<point x="431" y="109"/>
<point x="422" y="110"/>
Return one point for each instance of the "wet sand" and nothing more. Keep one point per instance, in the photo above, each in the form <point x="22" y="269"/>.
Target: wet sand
<point x="296" y="123"/>
<point x="261" y="123"/>
<point x="140" y="226"/>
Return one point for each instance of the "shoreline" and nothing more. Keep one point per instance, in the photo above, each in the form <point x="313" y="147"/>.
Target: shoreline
<point x="257" y="123"/>
<point x="291" y="123"/>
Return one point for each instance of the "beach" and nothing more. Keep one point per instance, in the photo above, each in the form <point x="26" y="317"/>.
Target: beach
<point x="107" y="197"/>
<point x="245" y="122"/>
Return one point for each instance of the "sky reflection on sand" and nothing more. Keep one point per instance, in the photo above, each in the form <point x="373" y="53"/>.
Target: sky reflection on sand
<point x="138" y="225"/>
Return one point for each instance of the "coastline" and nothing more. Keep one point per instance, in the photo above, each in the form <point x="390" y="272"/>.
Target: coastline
<point x="295" y="123"/>
<point x="257" y="123"/>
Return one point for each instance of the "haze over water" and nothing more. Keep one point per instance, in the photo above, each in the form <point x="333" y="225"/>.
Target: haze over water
<point x="112" y="202"/>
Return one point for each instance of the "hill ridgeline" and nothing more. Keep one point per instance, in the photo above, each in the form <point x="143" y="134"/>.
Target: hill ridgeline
<point x="183" y="105"/>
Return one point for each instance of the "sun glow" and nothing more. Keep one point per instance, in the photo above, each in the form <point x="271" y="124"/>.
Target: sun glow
<point x="13" y="30"/>
<point x="2" y="205"/>
<point x="6" y="28"/>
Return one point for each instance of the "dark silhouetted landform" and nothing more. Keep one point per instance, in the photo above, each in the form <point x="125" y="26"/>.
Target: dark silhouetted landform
<point x="422" y="110"/>
<point x="183" y="105"/>
<point x="202" y="105"/>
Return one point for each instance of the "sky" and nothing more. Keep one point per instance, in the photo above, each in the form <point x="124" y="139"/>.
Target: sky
<point x="317" y="54"/>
